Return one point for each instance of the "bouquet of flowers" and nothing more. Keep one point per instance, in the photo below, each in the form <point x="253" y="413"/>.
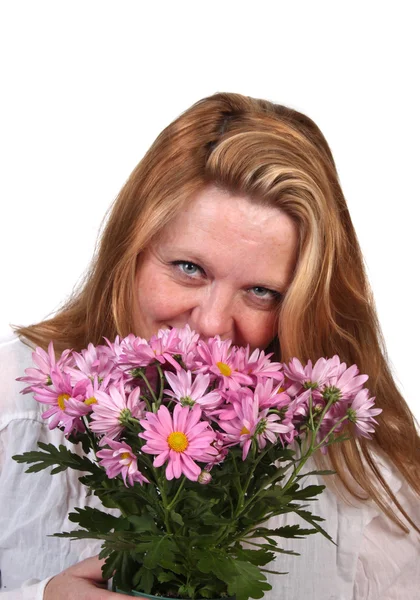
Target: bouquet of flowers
<point x="197" y="444"/>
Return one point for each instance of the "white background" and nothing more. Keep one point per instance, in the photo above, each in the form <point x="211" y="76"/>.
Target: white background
<point x="87" y="85"/>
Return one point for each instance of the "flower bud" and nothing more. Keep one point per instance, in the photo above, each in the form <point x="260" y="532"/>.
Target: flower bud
<point x="204" y="477"/>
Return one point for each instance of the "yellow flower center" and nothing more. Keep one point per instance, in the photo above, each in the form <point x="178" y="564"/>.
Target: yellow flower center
<point x="91" y="400"/>
<point x="125" y="455"/>
<point x="60" y="400"/>
<point x="244" y="430"/>
<point x="177" y="441"/>
<point x="224" y="368"/>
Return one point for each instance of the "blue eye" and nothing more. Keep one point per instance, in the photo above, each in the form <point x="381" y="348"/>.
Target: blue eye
<point x="187" y="268"/>
<point x="262" y="293"/>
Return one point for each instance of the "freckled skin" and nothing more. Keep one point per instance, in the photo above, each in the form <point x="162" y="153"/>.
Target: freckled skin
<point x="221" y="266"/>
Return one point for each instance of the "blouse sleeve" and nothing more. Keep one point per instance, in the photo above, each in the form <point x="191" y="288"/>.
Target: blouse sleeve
<point x="388" y="566"/>
<point x="30" y="590"/>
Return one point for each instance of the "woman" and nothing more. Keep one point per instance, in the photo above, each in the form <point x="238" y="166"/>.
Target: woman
<point x="235" y="223"/>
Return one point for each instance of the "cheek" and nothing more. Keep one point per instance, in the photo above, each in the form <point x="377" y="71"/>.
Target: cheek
<point x="258" y="329"/>
<point x="158" y="298"/>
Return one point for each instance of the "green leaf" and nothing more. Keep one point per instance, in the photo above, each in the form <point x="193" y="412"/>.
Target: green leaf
<point x="287" y="531"/>
<point x="256" y="557"/>
<point x="249" y="582"/>
<point x="205" y="592"/>
<point x="176" y="517"/>
<point x="244" y="579"/>
<point x="93" y="519"/>
<point x="143" y="522"/>
<point x="161" y="553"/>
<point x="276" y="548"/>
<point x="112" y="563"/>
<point x="61" y="456"/>
<point x="80" y="534"/>
<point x="312" y="519"/>
<point x="221" y="565"/>
<point x="308" y="492"/>
<point x="165" y="576"/>
<point x="143" y="580"/>
<point x="186" y="591"/>
<point x="324" y="472"/>
<point x="83" y="438"/>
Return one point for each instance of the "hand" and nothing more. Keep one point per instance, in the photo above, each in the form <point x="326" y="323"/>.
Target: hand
<point x="82" y="581"/>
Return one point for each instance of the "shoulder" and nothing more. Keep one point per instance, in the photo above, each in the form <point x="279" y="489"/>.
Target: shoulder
<point x="389" y="559"/>
<point x="15" y="357"/>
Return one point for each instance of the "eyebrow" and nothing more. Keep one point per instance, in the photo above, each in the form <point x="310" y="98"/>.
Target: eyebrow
<point x="180" y="253"/>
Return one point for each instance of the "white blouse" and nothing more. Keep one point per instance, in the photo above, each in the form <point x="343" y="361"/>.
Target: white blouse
<point x="372" y="561"/>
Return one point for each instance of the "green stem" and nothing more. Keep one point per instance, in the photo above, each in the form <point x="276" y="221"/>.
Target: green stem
<point x="273" y="479"/>
<point x="311" y="414"/>
<point x="330" y="432"/>
<point x="175" y="498"/>
<point x="149" y="387"/>
<point x="244" y="490"/>
<point x="162" y="489"/>
<point x="161" y="384"/>
<point x="91" y="437"/>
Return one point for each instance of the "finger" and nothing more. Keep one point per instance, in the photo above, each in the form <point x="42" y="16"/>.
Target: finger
<point x="90" y="568"/>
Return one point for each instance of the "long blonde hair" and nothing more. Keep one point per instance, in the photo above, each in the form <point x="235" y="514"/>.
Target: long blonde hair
<point x="279" y="157"/>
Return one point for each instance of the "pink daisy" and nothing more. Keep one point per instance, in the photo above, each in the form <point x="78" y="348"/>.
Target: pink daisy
<point x="219" y="359"/>
<point x="134" y="352"/>
<point x="57" y="395"/>
<point x="113" y="407"/>
<point x="252" y="423"/>
<point x="84" y="405"/>
<point x="180" y="439"/>
<point x="259" y="365"/>
<point x="45" y="363"/>
<point x="345" y="383"/>
<point x="95" y="361"/>
<point x="362" y="414"/>
<point x="221" y="444"/>
<point x="188" y="340"/>
<point x="310" y="377"/>
<point x="189" y="392"/>
<point x="271" y="395"/>
<point x="120" y="459"/>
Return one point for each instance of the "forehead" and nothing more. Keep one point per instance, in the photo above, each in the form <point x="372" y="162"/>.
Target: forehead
<point x="233" y="232"/>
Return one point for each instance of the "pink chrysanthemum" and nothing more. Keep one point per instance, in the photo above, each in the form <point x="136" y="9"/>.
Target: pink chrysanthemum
<point x="271" y="395"/>
<point x="310" y="377"/>
<point x="95" y="361"/>
<point x="345" y="383"/>
<point x="45" y="363"/>
<point x="189" y="392"/>
<point x="113" y="407"/>
<point x="221" y="443"/>
<point x="135" y="352"/>
<point x="120" y="459"/>
<point x="250" y="422"/>
<point x="188" y="340"/>
<point x="220" y="360"/>
<point x="57" y="395"/>
<point x="258" y="365"/>
<point x="82" y="406"/>
<point x="180" y="439"/>
<point x="362" y="414"/>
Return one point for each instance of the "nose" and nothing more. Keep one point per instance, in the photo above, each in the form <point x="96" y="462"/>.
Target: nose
<point x="213" y="314"/>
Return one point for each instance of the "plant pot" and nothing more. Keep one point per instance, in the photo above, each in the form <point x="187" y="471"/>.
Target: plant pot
<point x="133" y="593"/>
<point x="142" y="595"/>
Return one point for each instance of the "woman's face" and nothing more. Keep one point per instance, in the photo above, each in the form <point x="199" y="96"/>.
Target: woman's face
<point x="221" y="266"/>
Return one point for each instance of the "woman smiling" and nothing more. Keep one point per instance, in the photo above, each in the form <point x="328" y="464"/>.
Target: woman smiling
<point x="234" y="223"/>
